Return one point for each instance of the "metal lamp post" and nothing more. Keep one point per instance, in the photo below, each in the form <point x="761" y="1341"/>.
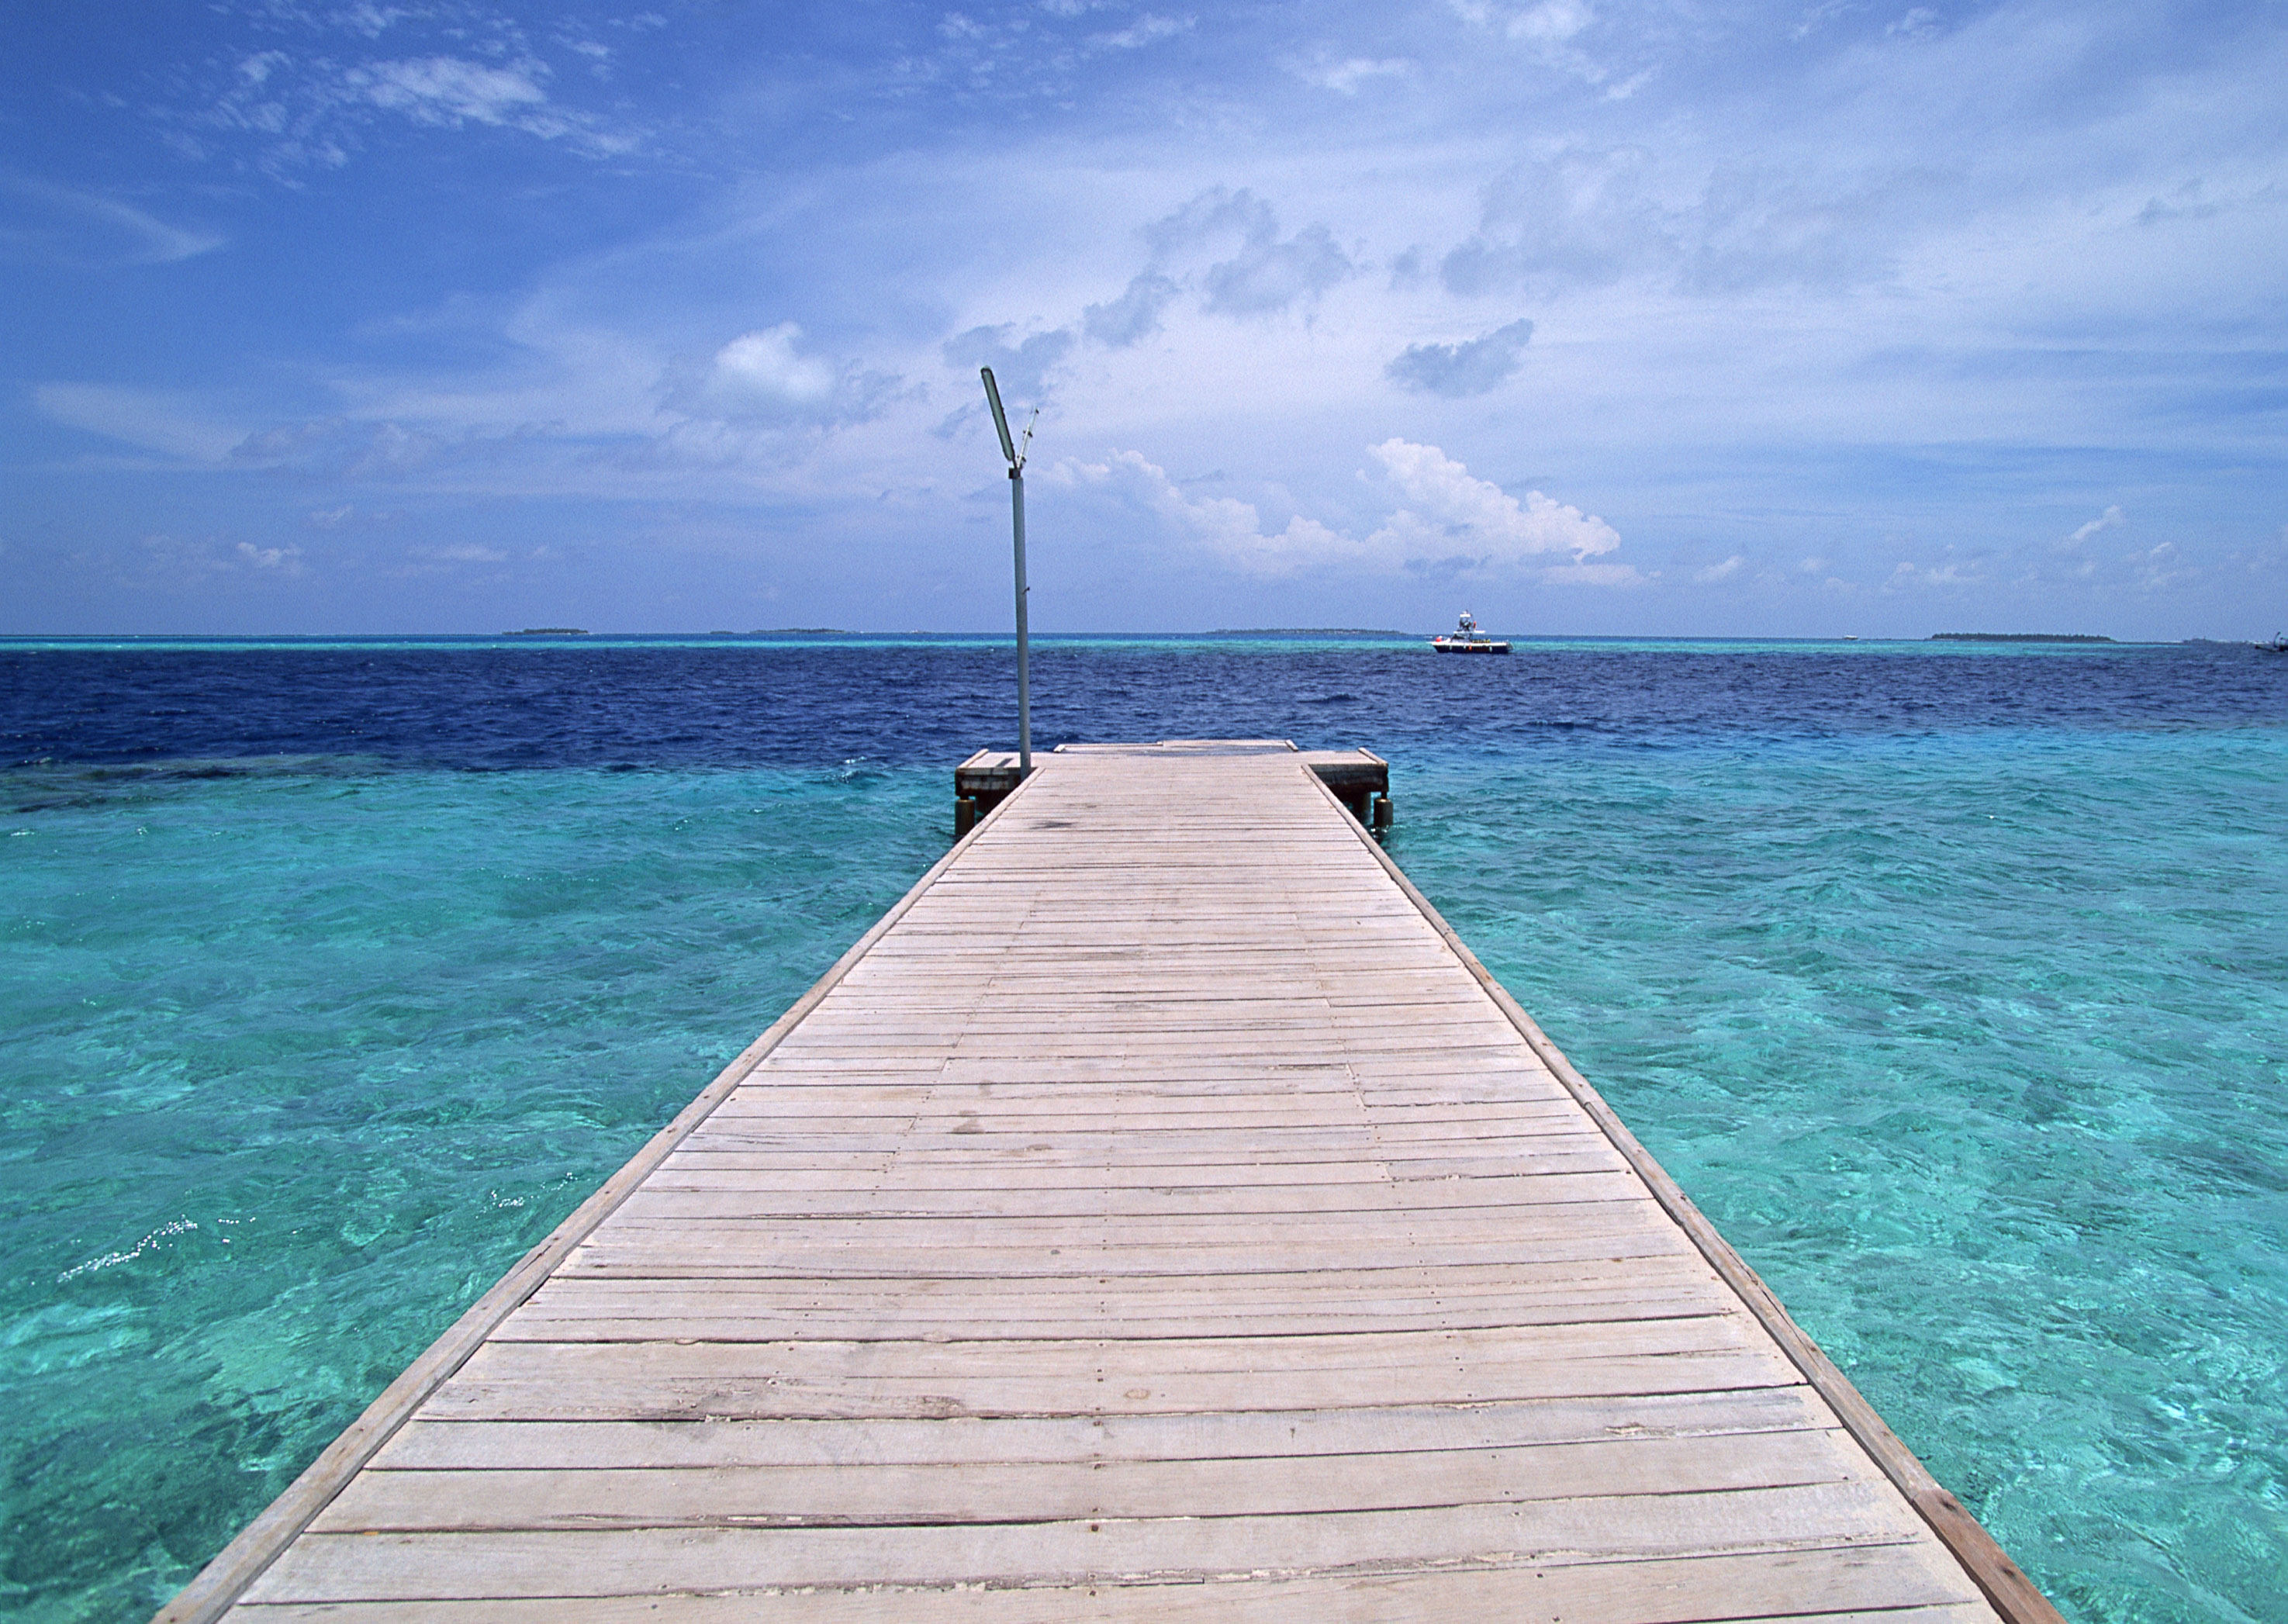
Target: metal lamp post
<point x="1015" y="452"/>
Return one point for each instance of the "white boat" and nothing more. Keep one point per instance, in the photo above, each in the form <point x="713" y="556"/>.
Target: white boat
<point x="1466" y="640"/>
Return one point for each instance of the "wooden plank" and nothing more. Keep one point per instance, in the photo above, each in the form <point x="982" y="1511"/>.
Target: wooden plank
<point x="1294" y="1434"/>
<point x="1161" y="1195"/>
<point x="659" y="1257"/>
<point x="618" y="1395"/>
<point x="853" y="1494"/>
<point x="1806" y="1587"/>
<point x="361" y="1566"/>
<point x="1559" y="1179"/>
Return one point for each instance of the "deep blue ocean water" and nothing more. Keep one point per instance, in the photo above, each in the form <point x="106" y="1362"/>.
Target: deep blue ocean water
<point x="1950" y="979"/>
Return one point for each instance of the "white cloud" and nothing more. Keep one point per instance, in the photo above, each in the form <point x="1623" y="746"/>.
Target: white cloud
<point x="1548" y="30"/>
<point x="52" y="224"/>
<point x="764" y="367"/>
<point x="1596" y="575"/>
<point x="309" y="107"/>
<point x="1551" y="22"/>
<point x="1587" y="216"/>
<point x="174" y="423"/>
<point x="1268" y="273"/>
<point x="1133" y="317"/>
<point x="1725" y="571"/>
<point x="1909" y="576"/>
<point x="2160" y="567"/>
<point x="1454" y="525"/>
<point x="1145" y="30"/>
<point x="1231" y="529"/>
<point x="1345" y="77"/>
<point x="285" y="560"/>
<point x="441" y="90"/>
<point x="767" y="376"/>
<point x="2106" y="520"/>
<point x="1021" y="367"/>
<point x="1464" y="517"/>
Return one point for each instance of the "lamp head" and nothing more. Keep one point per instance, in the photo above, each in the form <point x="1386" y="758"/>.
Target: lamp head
<point x="1000" y="417"/>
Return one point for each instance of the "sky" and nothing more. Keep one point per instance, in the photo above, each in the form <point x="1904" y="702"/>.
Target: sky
<point x="1595" y="317"/>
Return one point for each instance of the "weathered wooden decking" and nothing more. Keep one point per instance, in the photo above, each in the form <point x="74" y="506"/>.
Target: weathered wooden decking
<point x="1157" y="1215"/>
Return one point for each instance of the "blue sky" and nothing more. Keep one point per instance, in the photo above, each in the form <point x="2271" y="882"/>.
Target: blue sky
<point x="1676" y="317"/>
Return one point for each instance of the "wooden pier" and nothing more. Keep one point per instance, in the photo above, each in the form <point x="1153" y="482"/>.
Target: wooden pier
<point x="1158" y="1214"/>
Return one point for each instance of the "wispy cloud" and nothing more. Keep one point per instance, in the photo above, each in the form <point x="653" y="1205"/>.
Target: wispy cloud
<point x="45" y="224"/>
<point x="2110" y="518"/>
<point x="343" y="449"/>
<point x="306" y="89"/>
<point x="1345" y="76"/>
<point x="1586" y="218"/>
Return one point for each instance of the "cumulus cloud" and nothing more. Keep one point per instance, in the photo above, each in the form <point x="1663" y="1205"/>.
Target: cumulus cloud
<point x="1021" y="367"/>
<point x="1472" y="368"/>
<point x="765" y="366"/>
<point x="1725" y="571"/>
<point x="1231" y="529"/>
<point x="1455" y="519"/>
<point x="1135" y="316"/>
<point x="1268" y="273"/>
<point x="1452" y="524"/>
<point x="1577" y="216"/>
<point x="768" y="378"/>
<point x="1549" y="31"/>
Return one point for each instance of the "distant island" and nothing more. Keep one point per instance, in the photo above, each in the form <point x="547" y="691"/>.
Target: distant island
<point x="1307" y="631"/>
<point x="803" y="632"/>
<point x="2017" y="636"/>
<point x="549" y="631"/>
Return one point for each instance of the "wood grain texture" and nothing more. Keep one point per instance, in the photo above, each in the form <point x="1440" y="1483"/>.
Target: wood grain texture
<point x="1158" y="1214"/>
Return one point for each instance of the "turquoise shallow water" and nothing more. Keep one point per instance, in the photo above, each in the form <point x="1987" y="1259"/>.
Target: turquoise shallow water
<point x="1971" y="1035"/>
<point x="300" y="1063"/>
<point x="1976" y="1050"/>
